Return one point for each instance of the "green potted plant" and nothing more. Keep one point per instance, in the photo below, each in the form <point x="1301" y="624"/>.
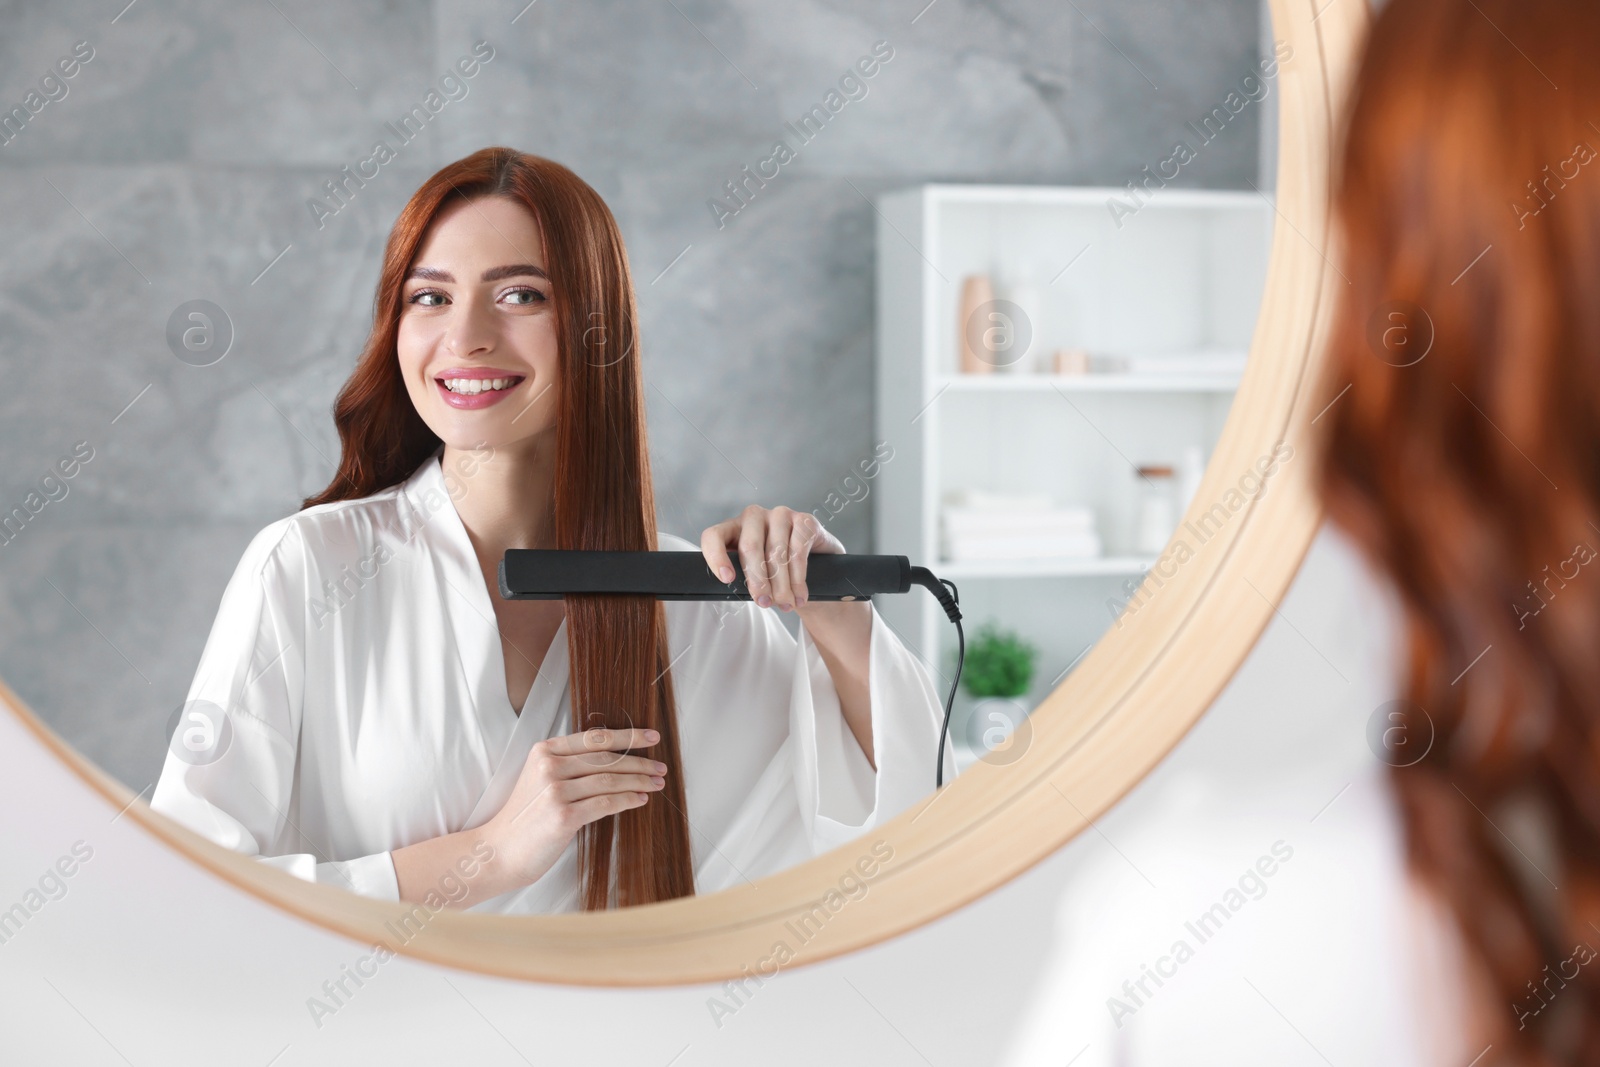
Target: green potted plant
<point x="999" y="668"/>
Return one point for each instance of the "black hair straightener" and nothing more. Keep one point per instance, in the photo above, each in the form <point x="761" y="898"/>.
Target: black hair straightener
<point x="551" y="574"/>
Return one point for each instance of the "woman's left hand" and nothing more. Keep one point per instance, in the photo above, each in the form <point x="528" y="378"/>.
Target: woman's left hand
<point x="773" y="546"/>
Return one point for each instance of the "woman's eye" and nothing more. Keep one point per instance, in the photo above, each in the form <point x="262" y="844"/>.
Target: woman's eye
<point x="520" y="297"/>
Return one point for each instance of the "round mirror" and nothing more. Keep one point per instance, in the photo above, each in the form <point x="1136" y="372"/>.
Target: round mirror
<point x="1036" y="306"/>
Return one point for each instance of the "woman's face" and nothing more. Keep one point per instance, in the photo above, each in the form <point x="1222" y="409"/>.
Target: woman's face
<point x="475" y="315"/>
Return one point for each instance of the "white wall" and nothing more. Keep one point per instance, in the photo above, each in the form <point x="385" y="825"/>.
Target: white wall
<point x="146" y="960"/>
<point x="1301" y="970"/>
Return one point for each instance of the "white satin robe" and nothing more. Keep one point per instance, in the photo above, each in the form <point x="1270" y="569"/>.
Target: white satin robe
<point x="357" y="652"/>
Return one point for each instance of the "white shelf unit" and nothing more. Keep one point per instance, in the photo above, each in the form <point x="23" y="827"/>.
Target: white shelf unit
<point x="1183" y="274"/>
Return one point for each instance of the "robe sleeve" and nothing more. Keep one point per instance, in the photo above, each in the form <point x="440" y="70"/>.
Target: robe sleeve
<point x="841" y="796"/>
<point x="231" y="767"/>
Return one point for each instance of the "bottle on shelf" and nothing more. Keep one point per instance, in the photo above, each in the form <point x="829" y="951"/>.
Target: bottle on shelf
<point x="1023" y="301"/>
<point x="977" y="299"/>
<point x="1157" y="517"/>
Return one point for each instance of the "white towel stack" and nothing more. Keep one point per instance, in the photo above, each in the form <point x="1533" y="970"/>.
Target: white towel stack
<point x="978" y="525"/>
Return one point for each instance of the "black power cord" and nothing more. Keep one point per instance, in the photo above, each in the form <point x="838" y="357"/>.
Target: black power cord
<point x="950" y="601"/>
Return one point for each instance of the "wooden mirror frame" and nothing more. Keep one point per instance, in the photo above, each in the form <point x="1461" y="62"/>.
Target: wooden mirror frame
<point x="1135" y="695"/>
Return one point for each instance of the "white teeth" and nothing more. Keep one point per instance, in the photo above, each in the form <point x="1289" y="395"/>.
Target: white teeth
<point x="472" y="386"/>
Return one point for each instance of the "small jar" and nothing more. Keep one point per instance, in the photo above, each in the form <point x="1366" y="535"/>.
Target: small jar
<point x="1157" y="516"/>
<point x="1070" y="361"/>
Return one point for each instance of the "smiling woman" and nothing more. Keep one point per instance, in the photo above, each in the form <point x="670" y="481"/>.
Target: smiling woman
<point x="426" y="726"/>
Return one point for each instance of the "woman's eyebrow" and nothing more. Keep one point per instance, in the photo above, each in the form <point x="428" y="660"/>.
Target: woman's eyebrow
<point x="493" y="274"/>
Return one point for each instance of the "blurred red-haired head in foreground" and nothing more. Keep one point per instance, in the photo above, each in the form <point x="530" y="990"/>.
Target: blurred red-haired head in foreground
<point x="1464" y="461"/>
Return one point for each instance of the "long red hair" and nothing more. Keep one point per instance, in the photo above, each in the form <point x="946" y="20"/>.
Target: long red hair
<point x="604" y="498"/>
<point x="1464" y="460"/>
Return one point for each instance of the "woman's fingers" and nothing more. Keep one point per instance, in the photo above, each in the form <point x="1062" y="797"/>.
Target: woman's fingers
<point x="587" y="811"/>
<point x="599" y="739"/>
<point x="774" y="548"/>
<point x="752" y="547"/>
<point x="578" y="766"/>
<point x="777" y="555"/>
<point x="802" y="538"/>
<point x="714" y="543"/>
<point x="764" y="551"/>
<point x="595" y="752"/>
<point x="592" y="785"/>
<point x="573" y="768"/>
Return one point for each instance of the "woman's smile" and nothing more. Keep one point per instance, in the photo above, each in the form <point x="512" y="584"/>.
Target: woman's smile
<point x="476" y="388"/>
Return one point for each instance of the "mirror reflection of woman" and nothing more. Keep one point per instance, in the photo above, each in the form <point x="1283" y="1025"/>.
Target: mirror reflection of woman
<point x="395" y="727"/>
<point x="1461" y="453"/>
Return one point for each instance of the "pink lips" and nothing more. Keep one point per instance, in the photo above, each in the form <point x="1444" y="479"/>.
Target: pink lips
<point x="484" y="399"/>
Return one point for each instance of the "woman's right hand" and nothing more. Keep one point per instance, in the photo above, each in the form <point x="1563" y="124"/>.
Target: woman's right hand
<point x="566" y="783"/>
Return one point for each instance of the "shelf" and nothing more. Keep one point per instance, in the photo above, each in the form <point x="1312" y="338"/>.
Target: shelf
<point x="1174" y="291"/>
<point x="1086" y="383"/>
<point x="1044" y="568"/>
